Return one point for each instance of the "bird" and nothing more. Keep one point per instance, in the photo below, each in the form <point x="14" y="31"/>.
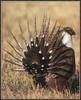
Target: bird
<point x="50" y="52"/>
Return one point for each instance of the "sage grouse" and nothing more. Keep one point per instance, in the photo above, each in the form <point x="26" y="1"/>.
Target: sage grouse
<point x="49" y="53"/>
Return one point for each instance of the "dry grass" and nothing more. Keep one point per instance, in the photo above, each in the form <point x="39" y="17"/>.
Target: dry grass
<point x="16" y="84"/>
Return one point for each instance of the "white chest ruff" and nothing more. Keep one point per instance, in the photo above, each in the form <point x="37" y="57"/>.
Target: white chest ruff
<point x="67" y="39"/>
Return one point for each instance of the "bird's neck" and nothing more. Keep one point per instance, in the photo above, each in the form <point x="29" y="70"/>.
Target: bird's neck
<point x="67" y="39"/>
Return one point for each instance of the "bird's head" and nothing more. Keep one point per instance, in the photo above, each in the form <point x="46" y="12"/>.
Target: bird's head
<point x="69" y="30"/>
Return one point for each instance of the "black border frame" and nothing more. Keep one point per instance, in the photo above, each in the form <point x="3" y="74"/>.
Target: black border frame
<point x="1" y="36"/>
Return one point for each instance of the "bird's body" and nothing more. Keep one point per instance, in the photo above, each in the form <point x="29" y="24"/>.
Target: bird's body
<point x="58" y="81"/>
<point x="55" y="56"/>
